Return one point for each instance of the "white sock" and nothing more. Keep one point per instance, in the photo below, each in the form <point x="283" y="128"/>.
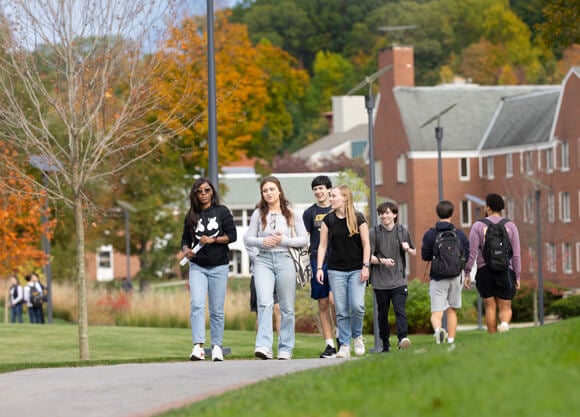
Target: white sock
<point x="450" y="339"/>
<point x="437" y="330"/>
<point x="330" y="342"/>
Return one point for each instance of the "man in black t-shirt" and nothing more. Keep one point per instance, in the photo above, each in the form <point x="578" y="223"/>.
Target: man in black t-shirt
<point x="312" y="217"/>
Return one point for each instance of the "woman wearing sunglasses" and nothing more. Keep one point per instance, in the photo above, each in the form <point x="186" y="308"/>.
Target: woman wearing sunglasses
<point x="270" y="230"/>
<point x="207" y="230"/>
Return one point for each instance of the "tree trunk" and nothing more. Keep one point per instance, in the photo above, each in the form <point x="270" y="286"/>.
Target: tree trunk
<point x="81" y="279"/>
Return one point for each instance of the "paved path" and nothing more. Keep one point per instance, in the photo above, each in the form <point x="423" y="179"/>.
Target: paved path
<point x="132" y="390"/>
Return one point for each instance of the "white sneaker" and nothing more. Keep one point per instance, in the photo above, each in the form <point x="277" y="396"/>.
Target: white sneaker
<point x="359" y="346"/>
<point x="405" y="343"/>
<point x="343" y="352"/>
<point x="263" y="353"/>
<point x="216" y="354"/>
<point x="197" y="353"/>
<point x="284" y="355"/>
<point x="503" y="327"/>
<point x="440" y="336"/>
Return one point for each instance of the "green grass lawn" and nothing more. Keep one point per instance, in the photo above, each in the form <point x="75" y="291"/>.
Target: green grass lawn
<point x="526" y="372"/>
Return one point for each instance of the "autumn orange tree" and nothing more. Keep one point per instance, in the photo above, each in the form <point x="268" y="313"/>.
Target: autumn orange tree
<point x="253" y="84"/>
<point x="21" y="225"/>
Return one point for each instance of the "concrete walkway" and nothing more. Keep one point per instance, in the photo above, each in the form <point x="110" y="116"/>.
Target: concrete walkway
<point x="133" y="390"/>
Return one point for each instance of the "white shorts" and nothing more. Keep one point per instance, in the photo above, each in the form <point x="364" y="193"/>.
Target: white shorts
<point x="445" y="293"/>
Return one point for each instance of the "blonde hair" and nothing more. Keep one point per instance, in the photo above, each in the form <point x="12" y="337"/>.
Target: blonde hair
<point x="349" y="210"/>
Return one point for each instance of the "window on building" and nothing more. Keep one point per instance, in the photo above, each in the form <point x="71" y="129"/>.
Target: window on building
<point x="105" y="255"/>
<point x="532" y="258"/>
<point x="509" y="207"/>
<point x="565" y="207"/>
<point x="464" y="169"/>
<point x="490" y="175"/>
<point x="551" y="257"/>
<point x="509" y="165"/>
<point x="465" y="213"/>
<point x="379" y="172"/>
<point x="529" y="210"/>
<point x="549" y="160"/>
<point x="235" y="262"/>
<point x="564" y="153"/>
<point x="528" y="163"/>
<point x="577" y="256"/>
<point x="566" y="258"/>
<point x="551" y="208"/>
<point x="402" y="169"/>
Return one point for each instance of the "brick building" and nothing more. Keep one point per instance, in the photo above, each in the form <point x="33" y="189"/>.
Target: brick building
<point x="522" y="142"/>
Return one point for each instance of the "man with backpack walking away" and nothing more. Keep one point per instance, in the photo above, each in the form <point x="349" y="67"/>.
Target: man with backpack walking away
<point x="447" y="249"/>
<point x="495" y="245"/>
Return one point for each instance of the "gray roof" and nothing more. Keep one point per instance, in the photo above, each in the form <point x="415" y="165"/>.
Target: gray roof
<point x="523" y="120"/>
<point x="465" y="125"/>
<point x="332" y="140"/>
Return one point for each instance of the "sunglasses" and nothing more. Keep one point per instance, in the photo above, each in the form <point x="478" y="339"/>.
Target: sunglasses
<point x="203" y="191"/>
<point x="273" y="221"/>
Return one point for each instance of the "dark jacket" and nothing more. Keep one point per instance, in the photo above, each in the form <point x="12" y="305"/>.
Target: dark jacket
<point x="215" y="221"/>
<point x="429" y="242"/>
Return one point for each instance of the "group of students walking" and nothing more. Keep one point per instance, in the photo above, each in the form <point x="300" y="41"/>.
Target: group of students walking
<point x="345" y="255"/>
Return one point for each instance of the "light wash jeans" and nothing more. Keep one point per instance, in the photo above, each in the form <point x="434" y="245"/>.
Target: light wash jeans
<point x="349" y="302"/>
<point x="211" y="282"/>
<point x="275" y="269"/>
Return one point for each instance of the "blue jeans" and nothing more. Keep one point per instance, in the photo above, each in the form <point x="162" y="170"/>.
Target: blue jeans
<point x="16" y="313"/>
<point x="211" y="282"/>
<point x="275" y="270"/>
<point x="35" y="315"/>
<point x="349" y="302"/>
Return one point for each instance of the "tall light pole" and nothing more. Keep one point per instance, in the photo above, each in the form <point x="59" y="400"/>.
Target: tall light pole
<point x="126" y="209"/>
<point x="370" y="105"/>
<point x="439" y="138"/>
<point x="46" y="165"/>
<point x="211" y="99"/>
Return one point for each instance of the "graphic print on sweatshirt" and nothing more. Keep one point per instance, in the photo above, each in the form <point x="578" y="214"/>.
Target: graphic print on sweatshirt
<point x="211" y="225"/>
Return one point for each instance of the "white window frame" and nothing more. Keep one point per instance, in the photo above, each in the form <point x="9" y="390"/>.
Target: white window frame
<point x="529" y="210"/>
<point x="379" y="172"/>
<point x="549" y="160"/>
<point x="531" y="257"/>
<point x="509" y="165"/>
<point x="464" y="176"/>
<point x="528" y="161"/>
<point x="402" y="169"/>
<point x="490" y="168"/>
<point x="566" y="258"/>
<point x="564" y="198"/>
<point x="565" y="156"/>
<point x="465" y="213"/>
<point x="551" y="207"/>
<point x="551" y="257"/>
<point x="509" y="207"/>
<point x="577" y="256"/>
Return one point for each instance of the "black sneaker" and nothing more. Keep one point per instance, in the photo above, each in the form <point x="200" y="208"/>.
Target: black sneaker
<point x="329" y="352"/>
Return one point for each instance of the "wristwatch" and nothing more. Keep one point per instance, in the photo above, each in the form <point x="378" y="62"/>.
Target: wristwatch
<point x="366" y="264"/>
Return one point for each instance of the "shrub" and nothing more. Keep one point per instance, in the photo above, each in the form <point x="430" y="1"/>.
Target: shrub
<point x="566" y="307"/>
<point x="523" y="302"/>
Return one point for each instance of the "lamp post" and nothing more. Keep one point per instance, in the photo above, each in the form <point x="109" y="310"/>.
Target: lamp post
<point x="46" y="165"/>
<point x="126" y="207"/>
<point x="369" y="105"/>
<point x="211" y="98"/>
<point x="439" y="139"/>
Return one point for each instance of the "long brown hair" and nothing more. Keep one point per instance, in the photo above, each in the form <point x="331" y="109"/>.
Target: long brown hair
<point x="349" y="210"/>
<point x="284" y="203"/>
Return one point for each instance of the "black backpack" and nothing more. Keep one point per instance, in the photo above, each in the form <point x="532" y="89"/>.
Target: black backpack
<point x="448" y="260"/>
<point x="497" y="248"/>
<point x="36" y="297"/>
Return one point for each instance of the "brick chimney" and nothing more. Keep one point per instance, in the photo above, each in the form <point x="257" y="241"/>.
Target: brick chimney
<point x="402" y="74"/>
